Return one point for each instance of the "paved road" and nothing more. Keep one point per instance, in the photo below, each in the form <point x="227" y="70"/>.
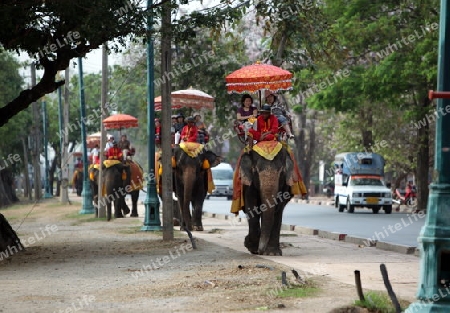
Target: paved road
<point x="397" y="228"/>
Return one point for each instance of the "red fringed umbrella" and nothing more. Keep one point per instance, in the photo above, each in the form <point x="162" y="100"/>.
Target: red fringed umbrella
<point x="120" y="121"/>
<point x="256" y="77"/>
<point x="188" y="98"/>
<point x="94" y="139"/>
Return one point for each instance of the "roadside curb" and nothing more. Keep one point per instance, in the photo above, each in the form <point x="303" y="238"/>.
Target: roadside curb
<point x="317" y="202"/>
<point x="360" y="241"/>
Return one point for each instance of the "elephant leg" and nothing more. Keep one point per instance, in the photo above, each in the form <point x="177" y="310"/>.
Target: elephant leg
<point x="118" y="207"/>
<point x="197" y="206"/>
<point x="124" y="207"/>
<point x="134" y="201"/>
<point x="254" y="230"/>
<point x="273" y="246"/>
<point x="108" y="211"/>
<point x="184" y="192"/>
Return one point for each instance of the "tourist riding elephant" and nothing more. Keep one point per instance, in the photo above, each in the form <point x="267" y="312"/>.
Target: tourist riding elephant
<point x="114" y="182"/>
<point x="266" y="176"/>
<point x="192" y="174"/>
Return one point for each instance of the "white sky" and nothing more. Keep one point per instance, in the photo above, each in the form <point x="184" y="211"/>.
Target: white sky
<point x="92" y="63"/>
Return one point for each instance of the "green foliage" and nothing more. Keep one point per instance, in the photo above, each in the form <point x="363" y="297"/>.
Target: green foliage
<point x="379" y="302"/>
<point x="18" y="128"/>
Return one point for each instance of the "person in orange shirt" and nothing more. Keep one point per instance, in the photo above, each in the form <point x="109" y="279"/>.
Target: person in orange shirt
<point x="189" y="132"/>
<point x="114" y="153"/>
<point x="267" y="126"/>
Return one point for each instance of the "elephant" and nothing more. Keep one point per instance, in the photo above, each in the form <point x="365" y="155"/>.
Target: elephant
<point x="266" y="189"/>
<point x="191" y="174"/>
<point x="114" y="188"/>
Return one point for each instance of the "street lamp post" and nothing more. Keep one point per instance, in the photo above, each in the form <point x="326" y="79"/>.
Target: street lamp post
<point x="434" y="288"/>
<point x="151" y="202"/>
<point x="86" y="194"/>
<point x="47" y="193"/>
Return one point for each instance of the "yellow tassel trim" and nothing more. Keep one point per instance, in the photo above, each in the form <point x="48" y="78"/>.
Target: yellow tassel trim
<point x="91" y="176"/>
<point x="124" y="175"/>
<point x="174" y="163"/>
<point x="206" y="164"/>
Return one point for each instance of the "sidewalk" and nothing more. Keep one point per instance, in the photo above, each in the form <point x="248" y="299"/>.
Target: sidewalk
<point x="312" y="255"/>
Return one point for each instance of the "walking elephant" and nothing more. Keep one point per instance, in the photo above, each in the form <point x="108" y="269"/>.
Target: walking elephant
<point x="267" y="178"/>
<point x="114" y="184"/>
<point x="191" y="168"/>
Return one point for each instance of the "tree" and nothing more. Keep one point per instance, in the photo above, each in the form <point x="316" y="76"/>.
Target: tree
<point x="54" y="32"/>
<point x="392" y="53"/>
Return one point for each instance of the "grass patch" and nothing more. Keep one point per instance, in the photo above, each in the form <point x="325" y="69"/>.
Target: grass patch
<point x="130" y="230"/>
<point x="379" y="302"/>
<point x="82" y="218"/>
<point x="298" y="292"/>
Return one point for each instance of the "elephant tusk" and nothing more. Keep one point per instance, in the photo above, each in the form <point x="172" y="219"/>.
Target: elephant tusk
<point x="174" y="197"/>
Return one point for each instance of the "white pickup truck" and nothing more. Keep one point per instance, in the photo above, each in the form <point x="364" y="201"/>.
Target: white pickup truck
<point x="359" y="183"/>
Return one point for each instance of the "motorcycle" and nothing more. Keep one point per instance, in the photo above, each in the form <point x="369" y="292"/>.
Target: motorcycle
<point x="407" y="197"/>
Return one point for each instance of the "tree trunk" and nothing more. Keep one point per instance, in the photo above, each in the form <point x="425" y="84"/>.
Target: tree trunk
<point x="167" y="183"/>
<point x="423" y="156"/>
<point x="311" y="150"/>
<point x="9" y="242"/>
<point x="300" y="142"/>
<point x="367" y="138"/>
<point x="51" y="173"/>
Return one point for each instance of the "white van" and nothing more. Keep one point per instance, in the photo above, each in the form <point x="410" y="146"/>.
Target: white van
<point x="223" y="180"/>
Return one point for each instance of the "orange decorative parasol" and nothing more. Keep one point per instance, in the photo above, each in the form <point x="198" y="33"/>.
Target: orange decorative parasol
<point x="120" y="121"/>
<point x="94" y="139"/>
<point x="257" y="77"/>
<point x="188" y="98"/>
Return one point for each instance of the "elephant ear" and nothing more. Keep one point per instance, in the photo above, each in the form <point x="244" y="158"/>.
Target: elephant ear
<point x="212" y="158"/>
<point x="246" y="169"/>
<point x="290" y="172"/>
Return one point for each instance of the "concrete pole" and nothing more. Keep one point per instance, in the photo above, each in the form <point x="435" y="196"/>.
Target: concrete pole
<point x="35" y="149"/>
<point x="166" y="58"/>
<point x="64" y="196"/>
<point x="101" y="210"/>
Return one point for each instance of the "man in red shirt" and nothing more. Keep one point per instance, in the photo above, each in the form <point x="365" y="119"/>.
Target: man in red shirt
<point x="267" y="126"/>
<point x="114" y="153"/>
<point x="189" y="132"/>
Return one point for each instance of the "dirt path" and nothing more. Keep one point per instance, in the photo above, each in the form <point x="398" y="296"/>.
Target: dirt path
<point x="81" y="264"/>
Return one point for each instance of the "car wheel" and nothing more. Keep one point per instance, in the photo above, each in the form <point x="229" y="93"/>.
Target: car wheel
<point x="350" y="208"/>
<point x="336" y="203"/>
<point x="375" y="210"/>
<point x="341" y="207"/>
<point x="388" y="209"/>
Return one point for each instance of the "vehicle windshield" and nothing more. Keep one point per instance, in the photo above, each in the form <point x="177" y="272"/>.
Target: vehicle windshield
<point x="366" y="182"/>
<point x="222" y="174"/>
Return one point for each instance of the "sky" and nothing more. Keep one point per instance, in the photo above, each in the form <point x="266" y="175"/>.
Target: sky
<point x="92" y="63"/>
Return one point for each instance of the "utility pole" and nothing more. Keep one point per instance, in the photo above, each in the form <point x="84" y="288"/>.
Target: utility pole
<point x="47" y="193"/>
<point x="86" y="194"/>
<point x="151" y="202"/>
<point x="101" y="208"/>
<point x="65" y="142"/>
<point x="166" y="109"/>
<point x="35" y="141"/>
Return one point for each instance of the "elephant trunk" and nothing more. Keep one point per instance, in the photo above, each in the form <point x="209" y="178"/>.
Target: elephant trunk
<point x="189" y="176"/>
<point x="268" y="193"/>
